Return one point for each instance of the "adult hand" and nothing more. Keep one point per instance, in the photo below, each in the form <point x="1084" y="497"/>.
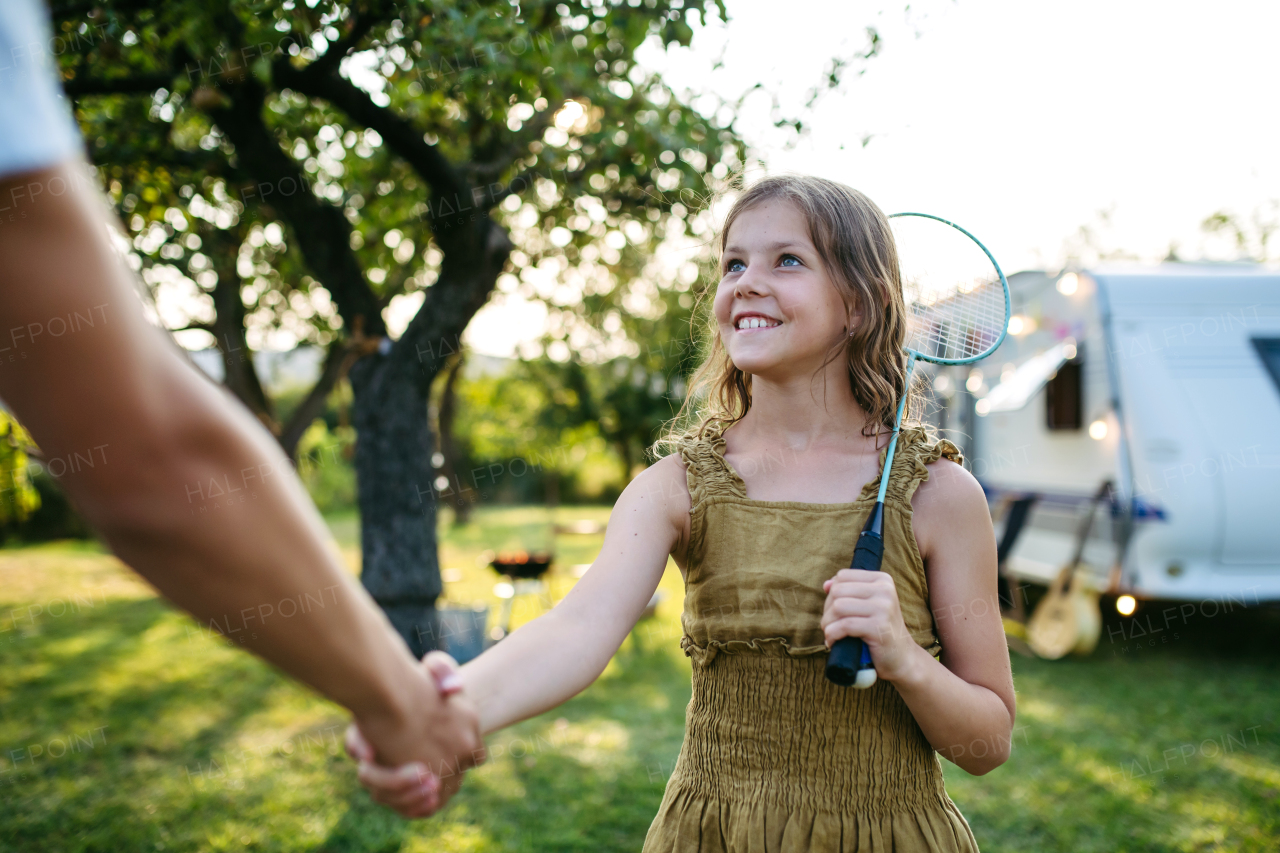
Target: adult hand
<point x="421" y="788"/>
<point x="865" y="604"/>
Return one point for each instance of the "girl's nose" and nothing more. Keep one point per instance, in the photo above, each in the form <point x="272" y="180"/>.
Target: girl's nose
<point x="748" y="284"/>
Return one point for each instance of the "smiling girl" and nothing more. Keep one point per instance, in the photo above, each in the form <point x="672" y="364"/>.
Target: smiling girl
<point x="760" y="504"/>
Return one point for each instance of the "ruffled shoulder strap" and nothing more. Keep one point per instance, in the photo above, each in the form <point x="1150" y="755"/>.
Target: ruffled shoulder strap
<point x="707" y="471"/>
<point x="708" y="476"/>
<point x="916" y="450"/>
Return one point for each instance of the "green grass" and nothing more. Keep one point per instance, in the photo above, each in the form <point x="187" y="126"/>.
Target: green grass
<point x="153" y="736"/>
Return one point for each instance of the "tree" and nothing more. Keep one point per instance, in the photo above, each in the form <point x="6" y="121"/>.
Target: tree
<point x="494" y="137"/>
<point x="630" y="396"/>
<point x="1250" y="238"/>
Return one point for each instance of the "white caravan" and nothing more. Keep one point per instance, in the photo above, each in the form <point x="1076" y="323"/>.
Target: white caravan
<point x="1164" y="380"/>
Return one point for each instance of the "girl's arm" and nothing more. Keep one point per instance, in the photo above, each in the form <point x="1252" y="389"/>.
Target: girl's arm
<point x="556" y="656"/>
<point x="965" y="704"/>
<point x="553" y="658"/>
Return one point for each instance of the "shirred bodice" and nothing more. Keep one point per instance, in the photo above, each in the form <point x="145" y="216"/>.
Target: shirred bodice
<point x="775" y="757"/>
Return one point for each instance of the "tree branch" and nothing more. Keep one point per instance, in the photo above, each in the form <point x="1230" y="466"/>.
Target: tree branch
<point x="336" y="365"/>
<point x="322" y="232"/>
<point x="163" y="154"/>
<point x="466" y="279"/>
<point x="532" y="129"/>
<point x="397" y="132"/>
<point x="202" y="327"/>
<point x="136" y="85"/>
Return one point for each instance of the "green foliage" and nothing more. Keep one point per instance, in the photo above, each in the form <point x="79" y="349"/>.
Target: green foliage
<point x="325" y="467"/>
<point x="18" y="495"/>
<point x="33" y="507"/>
<point x="510" y="422"/>
<point x="54" y="519"/>
<point x="543" y="407"/>
<point x="535" y="117"/>
<point x="543" y="101"/>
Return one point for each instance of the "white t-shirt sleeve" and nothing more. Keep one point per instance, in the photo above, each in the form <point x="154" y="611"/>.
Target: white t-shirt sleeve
<point x="36" y="127"/>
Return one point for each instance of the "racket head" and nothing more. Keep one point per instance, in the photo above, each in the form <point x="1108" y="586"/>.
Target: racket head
<point x="957" y="296"/>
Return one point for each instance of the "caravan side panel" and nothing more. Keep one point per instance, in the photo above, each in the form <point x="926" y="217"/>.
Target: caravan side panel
<point x="1199" y="410"/>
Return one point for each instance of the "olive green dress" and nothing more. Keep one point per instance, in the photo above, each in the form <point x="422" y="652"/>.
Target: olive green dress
<point x="776" y="759"/>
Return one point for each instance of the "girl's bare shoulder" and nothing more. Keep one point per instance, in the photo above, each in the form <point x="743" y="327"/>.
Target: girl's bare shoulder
<point x="948" y="482"/>
<point x="665" y="481"/>
<point x="664" y="488"/>
<point x="950" y="505"/>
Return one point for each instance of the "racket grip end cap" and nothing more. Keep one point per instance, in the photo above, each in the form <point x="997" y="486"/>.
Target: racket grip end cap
<point x="843" y="661"/>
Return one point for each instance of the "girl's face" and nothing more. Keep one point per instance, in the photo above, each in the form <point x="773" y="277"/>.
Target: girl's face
<point x="778" y="311"/>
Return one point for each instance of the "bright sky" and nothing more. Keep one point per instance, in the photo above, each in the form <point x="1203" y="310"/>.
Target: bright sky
<point x="1021" y="121"/>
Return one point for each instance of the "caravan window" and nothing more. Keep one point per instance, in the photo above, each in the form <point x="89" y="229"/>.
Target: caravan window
<point x="1064" y="397"/>
<point x="1269" y="349"/>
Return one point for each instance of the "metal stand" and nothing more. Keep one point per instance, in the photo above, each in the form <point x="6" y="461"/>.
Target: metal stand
<point x="510" y="589"/>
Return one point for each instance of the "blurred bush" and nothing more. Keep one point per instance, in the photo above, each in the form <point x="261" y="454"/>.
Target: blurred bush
<point x="326" y="467"/>
<point x="32" y="505"/>
<point x="18" y="497"/>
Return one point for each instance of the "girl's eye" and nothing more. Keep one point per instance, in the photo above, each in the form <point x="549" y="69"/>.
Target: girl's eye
<point x="786" y="258"/>
<point x="729" y="267"/>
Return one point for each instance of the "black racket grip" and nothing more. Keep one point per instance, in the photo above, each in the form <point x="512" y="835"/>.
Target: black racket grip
<point x="846" y="652"/>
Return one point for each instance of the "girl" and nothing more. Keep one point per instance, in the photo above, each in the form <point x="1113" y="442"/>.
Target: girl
<point x="760" y="507"/>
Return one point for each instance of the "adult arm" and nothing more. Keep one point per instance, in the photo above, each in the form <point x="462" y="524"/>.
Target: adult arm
<point x="180" y="481"/>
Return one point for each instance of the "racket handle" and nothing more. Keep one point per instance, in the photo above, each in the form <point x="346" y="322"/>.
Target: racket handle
<point x="849" y="661"/>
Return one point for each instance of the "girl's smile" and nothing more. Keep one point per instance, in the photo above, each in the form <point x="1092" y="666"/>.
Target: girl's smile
<point x="751" y="321"/>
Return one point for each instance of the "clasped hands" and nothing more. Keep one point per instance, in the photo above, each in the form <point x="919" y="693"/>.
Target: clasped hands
<point x="444" y="742"/>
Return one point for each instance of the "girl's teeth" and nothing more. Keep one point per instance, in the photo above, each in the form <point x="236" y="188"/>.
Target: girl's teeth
<point x="755" y="323"/>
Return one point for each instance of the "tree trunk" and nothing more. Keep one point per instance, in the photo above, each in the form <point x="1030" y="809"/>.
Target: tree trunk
<point x="394" y="477"/>
<point x="239" y="374"/>
<point x="624" y="453"/>
<point x="401" y="567"/>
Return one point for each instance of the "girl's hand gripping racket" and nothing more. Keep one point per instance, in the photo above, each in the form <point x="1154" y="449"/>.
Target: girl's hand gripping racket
<point x="957" y="303"/>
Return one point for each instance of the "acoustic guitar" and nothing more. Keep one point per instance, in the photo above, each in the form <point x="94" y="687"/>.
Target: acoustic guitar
<point x="1067" y="620"/>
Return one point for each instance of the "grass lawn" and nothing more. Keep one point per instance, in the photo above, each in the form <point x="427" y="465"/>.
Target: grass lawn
<point x="124" y="727"/>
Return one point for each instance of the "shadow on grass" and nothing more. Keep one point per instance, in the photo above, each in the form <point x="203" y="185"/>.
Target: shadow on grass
<point x="589" y="775"/>
<point x="106" y="676"/>
<point x="364" y="827"/>
<point x="1191" y="629"/>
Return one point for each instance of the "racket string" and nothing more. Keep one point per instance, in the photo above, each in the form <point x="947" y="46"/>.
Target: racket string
<point x="955" y="295"/>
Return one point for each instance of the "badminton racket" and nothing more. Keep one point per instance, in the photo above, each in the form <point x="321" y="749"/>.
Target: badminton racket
<point x="957" y="301"/>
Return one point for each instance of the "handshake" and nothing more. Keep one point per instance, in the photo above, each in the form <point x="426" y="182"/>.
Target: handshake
<point x="443" y="741"/>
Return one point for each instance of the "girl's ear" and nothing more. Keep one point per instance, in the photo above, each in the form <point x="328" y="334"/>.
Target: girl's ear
<point x="854" y="320"/>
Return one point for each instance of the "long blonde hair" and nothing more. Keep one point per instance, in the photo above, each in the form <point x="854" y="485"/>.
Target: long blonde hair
<point x="854" y="241"/>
